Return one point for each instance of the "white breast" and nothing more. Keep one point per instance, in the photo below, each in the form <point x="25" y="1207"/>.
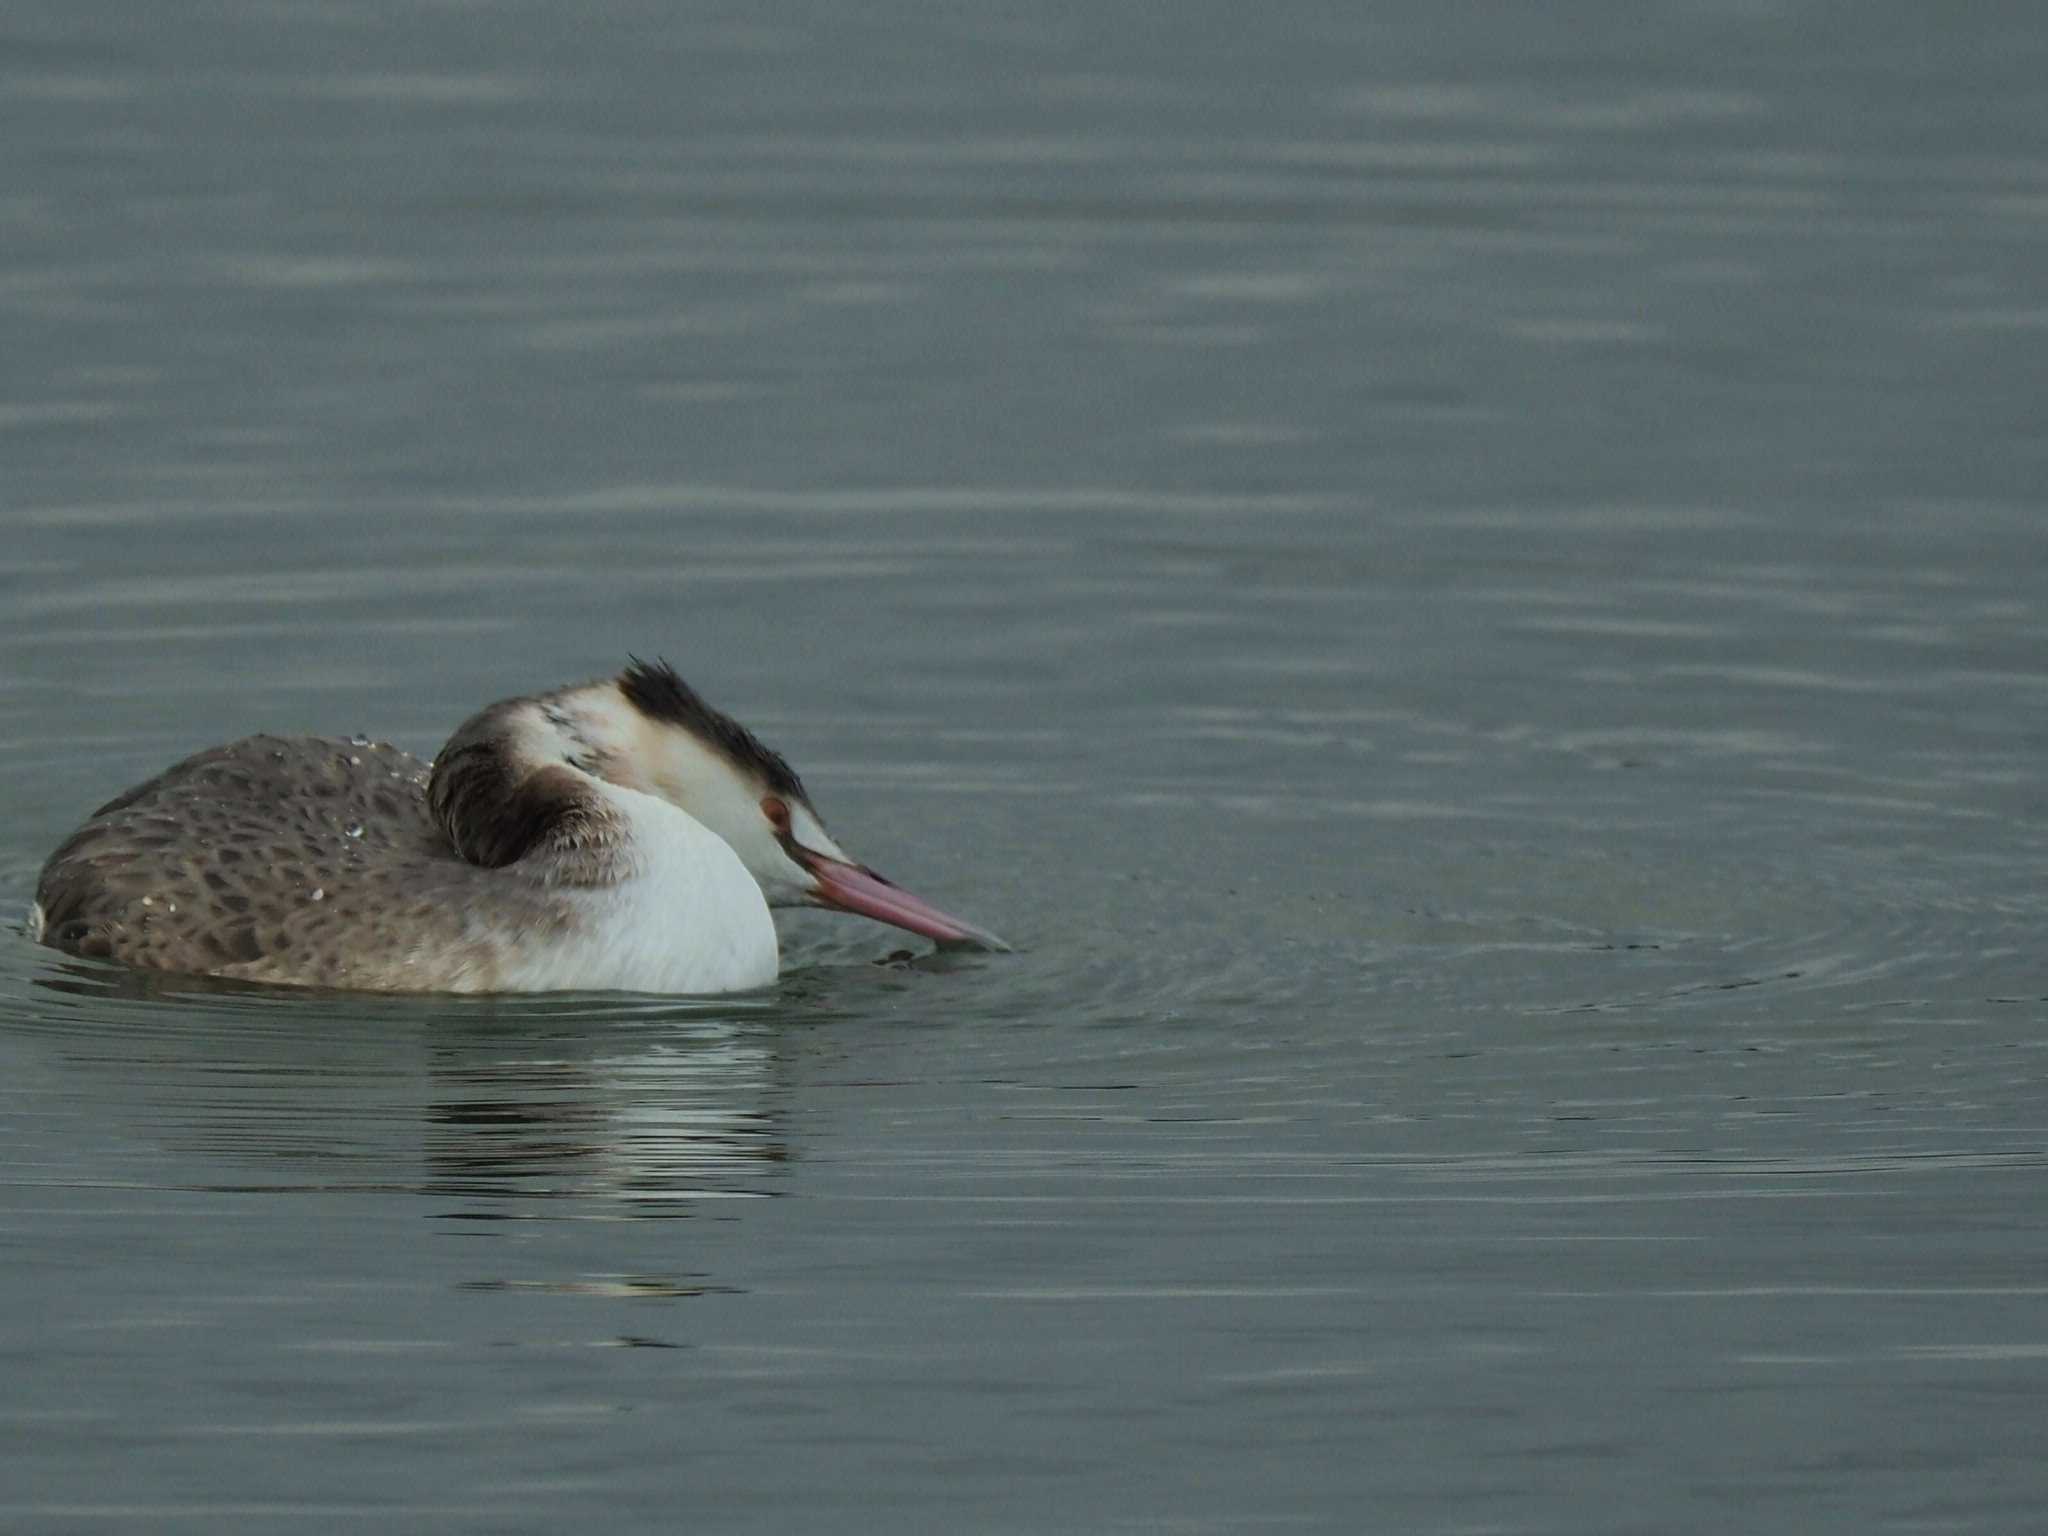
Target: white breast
<point x="687" y="917"/>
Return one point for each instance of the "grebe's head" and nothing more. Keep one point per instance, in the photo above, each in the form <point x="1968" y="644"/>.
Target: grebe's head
<point x="648" y="730"/>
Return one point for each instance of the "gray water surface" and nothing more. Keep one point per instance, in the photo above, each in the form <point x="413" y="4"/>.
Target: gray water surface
<point x="1466" y="583"/>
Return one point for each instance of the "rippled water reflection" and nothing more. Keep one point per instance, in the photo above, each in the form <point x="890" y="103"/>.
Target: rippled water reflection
<point x="1467" y="587"/>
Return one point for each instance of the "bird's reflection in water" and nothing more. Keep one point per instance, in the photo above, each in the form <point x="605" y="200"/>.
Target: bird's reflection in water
<point x="639" y="1121"/>
<point x="586" y="1107"/>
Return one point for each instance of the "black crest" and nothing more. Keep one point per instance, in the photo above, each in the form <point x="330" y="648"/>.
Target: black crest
<point x="655" y="690"/>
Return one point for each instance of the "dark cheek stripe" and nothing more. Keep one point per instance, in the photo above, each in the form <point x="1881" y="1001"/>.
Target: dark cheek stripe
<point x="495" y="816"/>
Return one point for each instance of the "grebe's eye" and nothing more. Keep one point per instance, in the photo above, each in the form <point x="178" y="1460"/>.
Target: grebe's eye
<point x="776" y="809"/>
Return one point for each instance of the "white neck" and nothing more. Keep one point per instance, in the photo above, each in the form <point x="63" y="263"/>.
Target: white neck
<point x="686" y="916"/>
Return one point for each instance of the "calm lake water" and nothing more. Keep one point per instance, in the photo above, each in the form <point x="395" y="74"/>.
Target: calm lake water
<point x="1468" y="584"/>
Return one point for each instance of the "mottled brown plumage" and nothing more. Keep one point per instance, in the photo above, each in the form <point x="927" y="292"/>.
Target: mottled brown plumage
<point x="619" y="833"/>
<point x="292" y="859"/>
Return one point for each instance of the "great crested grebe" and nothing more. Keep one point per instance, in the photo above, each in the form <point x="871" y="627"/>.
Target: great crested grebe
<point x="618" y="834"/>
